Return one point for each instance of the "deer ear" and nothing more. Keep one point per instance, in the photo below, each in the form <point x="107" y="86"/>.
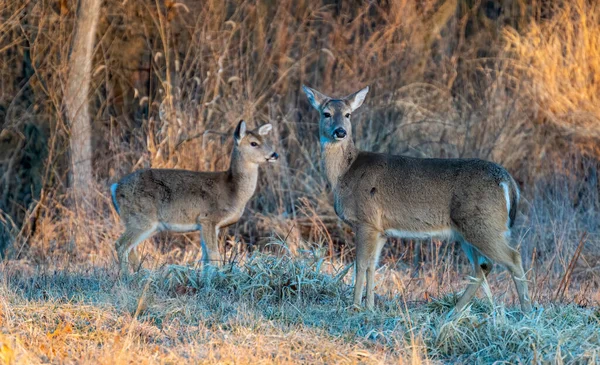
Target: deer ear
<point x="355" y="100"/>
<point x="240" y="131"/>
<point x="315" y="98"/>
<point x="265" y="129"/>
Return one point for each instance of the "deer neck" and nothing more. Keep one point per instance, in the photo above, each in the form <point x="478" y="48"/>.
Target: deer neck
<point x="244" y="176"/>
<point x="337" y="158"/>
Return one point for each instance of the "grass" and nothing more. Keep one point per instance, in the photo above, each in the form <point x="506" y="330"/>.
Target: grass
<point x="271" y="309"/>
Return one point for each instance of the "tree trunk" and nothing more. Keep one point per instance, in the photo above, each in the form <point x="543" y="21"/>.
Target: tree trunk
<point x="76" y="99"/>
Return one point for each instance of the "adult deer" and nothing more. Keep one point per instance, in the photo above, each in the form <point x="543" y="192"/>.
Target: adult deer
<point x="380" y="195"/>
<point x="153" y="200"/>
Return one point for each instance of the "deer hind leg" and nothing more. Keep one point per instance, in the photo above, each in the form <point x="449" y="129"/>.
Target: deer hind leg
<point x="495" y="246"/>
<point x="512" y="260"/>
<point x="369" y="243"/>
<point x="134" y="259"/>
<point x="210" y="244"/>
<point x="481" y="267"/>
<point x="129" y="240"/>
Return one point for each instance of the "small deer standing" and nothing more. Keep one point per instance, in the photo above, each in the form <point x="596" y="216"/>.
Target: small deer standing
<point x="380" y="195"/>
<point x="153" y="200"/>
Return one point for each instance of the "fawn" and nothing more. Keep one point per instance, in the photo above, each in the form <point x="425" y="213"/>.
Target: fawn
<point x="380" y="195"/>
<point x="153" y="200"/>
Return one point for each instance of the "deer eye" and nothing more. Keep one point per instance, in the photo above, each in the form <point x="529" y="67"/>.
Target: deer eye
<point x="347" y="115"/>
<point x="253" y="144"/>
<point x="327" y="115"/>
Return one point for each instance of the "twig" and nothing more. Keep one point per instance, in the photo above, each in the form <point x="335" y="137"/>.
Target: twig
<point x="198" y="135"/>
<point x="566" y="279"/>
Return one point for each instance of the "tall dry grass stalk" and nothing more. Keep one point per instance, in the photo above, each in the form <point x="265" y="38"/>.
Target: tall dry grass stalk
<point x="557" y="60"/>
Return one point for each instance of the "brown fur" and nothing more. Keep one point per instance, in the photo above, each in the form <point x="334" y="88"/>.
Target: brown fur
<point x="153" y="200"/>
<point x="383" y="195"/>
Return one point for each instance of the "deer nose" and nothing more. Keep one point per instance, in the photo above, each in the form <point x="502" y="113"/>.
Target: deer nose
<point x="274" y="156"/>
<point x="339" y="133"/>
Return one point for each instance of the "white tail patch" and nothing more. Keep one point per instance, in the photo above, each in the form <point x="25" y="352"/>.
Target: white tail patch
<point x="506" y="196"/>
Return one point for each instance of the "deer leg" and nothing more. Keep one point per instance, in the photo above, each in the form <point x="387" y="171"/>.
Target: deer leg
<point x="496" y="248"/>
<point x="515" y="266"/>
<point x="478" y="263"/>
<point x="379" y="241"/>
<point x="134" y="259"/>
<point x="210" y="244"/>
<point x="128" y="240"/>
<point x="511" y="258"/>
<point x="368" y="246"/>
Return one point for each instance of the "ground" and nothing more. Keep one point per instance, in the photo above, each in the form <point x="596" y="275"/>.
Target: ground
<point x="275" y="309"/>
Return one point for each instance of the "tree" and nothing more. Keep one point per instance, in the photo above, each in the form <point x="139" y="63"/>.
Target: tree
<point x="76" y="97"/>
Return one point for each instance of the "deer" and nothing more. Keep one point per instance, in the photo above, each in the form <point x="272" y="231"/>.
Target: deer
<point x="153" y="200"/>
<point x="470" y="201"/>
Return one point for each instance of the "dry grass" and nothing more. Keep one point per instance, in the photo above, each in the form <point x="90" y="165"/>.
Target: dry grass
<point x="560" y="60"/>
<point x="270" y="309"/>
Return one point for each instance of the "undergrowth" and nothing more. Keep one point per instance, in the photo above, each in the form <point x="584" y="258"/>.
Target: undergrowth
<point x="270" y="309"/>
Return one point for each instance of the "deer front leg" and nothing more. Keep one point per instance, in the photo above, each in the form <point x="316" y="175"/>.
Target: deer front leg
<point x="369" y="243"/>
<point x="210" y="244"/>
